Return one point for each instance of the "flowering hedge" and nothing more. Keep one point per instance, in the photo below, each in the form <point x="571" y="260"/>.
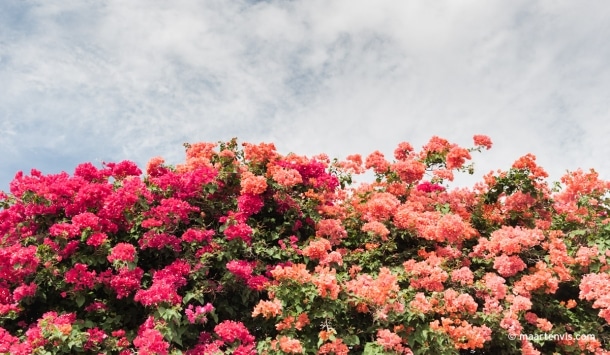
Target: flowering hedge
<point x="247" y="251"/>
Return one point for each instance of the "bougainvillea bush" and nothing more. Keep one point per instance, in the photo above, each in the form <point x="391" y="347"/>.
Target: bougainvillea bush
<point x="244" y="250"/>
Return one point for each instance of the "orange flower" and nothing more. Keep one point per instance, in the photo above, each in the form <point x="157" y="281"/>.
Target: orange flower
<point x="352" y="164"/>
<point x="420" y="303"/>
<point x="331" y="228"/>
<point x="585" y="255"/>
<point x="452" y="228"/>
<point x="290" y="346"/>
<point x="65" y="329"/>
<point x="389" y="340"/>
<point x="336" y="347"/>
<point x="268" y="309"/>
<point x="456" y="302"/>
<point x="302" y="321"/>
<point x="354" y="270"/>
<point x="380" y="207"/>
<point x="482" y="141"/>
<point x="436" y="145"/>
<point x="375" y="291"/>
<point x="295" y="272"/>
<point x="456" y="157"/>
<point x="252" y="184"/>
<point x="362" y="308"/>
<point x="590" y="344"/>
<point x="544" y="325"/>
<point x="326" y="282"/>
<point x="332" y="257"/>
<point x="286" y="323"/>
<point x="542" y="278"/>
<point x="463" y="334"/>
<point x="508" y="265"/>
<point x="443" y="174"/>
<point x="528" y="162"/>
<point x="403" y="150"/>
<point x="427" y="274"/>
<point x="287" y="177"/>
<point x="371" y="246"/>
<point x="571" y="304"/>
<point x="409" y="171"/>
<point x="259" y="153"/>
<point x="463" y="275"/>
<point x="197" y="155"/>
<point x="377" y="228"/>
<point x="377" y="161"/>
<point x="325" y="335"/>
<point x="317" y="249"/>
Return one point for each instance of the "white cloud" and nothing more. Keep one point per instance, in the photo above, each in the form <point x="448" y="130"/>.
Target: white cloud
<point x="131" y="80"/>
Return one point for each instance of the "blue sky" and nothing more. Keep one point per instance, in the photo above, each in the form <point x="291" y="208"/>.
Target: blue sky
<point x="106" y="81"/>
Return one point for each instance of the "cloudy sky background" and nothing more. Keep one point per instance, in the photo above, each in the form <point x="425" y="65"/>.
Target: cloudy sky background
<point x="112" y="80"/>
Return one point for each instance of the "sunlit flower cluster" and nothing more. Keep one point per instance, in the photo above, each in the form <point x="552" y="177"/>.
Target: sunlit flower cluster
<point x="243" y="250"/>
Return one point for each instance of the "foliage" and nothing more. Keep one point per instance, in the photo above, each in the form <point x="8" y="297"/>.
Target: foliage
<point x="244" y="250"/>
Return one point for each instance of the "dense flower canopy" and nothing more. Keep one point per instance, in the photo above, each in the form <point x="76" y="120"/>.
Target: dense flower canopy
<point x="244" y="250"/>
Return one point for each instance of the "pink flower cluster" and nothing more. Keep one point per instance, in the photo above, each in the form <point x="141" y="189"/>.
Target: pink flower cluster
<point x="165" y="285"/>
<point x="248" y="251"/>
<point x="124" y="252"/>
<point x="198" y="313"/>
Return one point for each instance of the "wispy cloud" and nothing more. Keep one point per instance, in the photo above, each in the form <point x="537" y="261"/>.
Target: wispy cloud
<point x="88" y="81"/>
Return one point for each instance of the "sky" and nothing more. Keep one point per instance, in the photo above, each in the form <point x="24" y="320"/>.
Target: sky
<point x="106" y="81"/>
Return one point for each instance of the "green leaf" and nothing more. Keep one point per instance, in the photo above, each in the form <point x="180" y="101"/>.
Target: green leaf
<point x="374" y="349"/>
<point x="351" y="340"/>
<point x="577" y="232"/>
<point x="80" y="300"/>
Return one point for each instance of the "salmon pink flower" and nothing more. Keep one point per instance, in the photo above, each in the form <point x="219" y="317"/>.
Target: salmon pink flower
<point x="259" y="153"/>
<point x="410" y="171"/>
<point x="287" y="177"/>
<point x="463" y="275"/>
<point x="508" y="265"/>
<point x="331" y="229"/>
<point x="377" y="161"/>
<point x="403" y="151"/>
<point x="376" y="228"/>
<point x="482" y="141"/>
<point x="456" y="157"/>
<point x="290" y="346"/>
<point x="268" y="309"/>
<point x="326" y="281"/>
<point x="252" y="184"/>
<point x="389" y="341"/>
